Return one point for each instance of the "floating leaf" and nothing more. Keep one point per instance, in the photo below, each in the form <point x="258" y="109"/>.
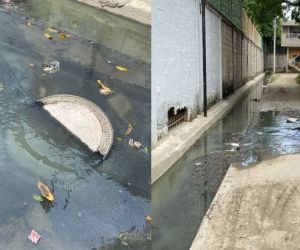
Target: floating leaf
<point x="37" y="197"/>
<point x="119" y="138"/>
<point x="146" y="150"/>
<point x="45" y="191"/>
<point x="122" y="68"/>
<point x="51" y="29"/>
<point x="104" y="90"/>
<point x="48" y="36"/>
<point x="149" y="219"/>
<point x="129" y="129"/>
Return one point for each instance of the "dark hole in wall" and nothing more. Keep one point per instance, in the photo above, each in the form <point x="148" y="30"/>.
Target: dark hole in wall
<point x="175" y="118"/>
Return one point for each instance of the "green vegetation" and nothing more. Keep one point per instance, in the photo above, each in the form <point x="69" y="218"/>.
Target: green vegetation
<point x="298" y="79"/>
<point x="264" y="12"/>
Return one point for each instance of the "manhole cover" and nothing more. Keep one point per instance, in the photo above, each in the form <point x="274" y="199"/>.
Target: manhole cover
<point x="83" y="118"/>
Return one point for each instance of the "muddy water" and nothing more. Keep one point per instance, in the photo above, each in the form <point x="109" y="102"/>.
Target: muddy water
<point x="99" y="205"/>
<point x="181" y="198"/>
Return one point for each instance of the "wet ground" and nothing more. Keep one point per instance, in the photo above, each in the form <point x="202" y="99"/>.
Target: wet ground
<point x="99" y="204"/>
<point x="181" y="198"/>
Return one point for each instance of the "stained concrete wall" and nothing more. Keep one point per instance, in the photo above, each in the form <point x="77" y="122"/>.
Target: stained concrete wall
<point x="175" y="60"/>
<point x="177" y="69"/>
<point x="281" y="62"/>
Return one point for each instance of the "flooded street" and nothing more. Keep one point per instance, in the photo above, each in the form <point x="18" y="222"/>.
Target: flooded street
<point x="99" y="204"/>
<point x="182" y="197"/>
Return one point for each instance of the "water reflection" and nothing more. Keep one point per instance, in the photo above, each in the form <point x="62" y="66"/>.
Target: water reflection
<point x="95" y="200"/>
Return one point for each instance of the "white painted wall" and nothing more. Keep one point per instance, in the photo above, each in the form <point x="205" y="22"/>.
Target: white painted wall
<point x="175" y="60"/>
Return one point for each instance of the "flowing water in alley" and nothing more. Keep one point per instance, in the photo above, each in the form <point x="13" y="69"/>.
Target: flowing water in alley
<point x="99" y="204"/>
<point x="181" y="198"/>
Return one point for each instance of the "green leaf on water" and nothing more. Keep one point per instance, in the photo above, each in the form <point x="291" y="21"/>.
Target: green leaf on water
<point x="37" y="197"/>
<point x="119" y="138"/>
<point x="146" y="150"/>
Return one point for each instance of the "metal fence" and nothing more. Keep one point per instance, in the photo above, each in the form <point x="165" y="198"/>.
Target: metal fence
<point x="231" y="9"/>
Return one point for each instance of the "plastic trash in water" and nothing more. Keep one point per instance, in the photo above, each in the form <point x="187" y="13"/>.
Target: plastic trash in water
<point x="52" y="68"/>
<point x="34" y="237"/>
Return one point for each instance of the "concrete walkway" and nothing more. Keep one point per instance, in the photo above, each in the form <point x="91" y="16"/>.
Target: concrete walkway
<point x="255" y="208"/>
<point x="282" y="94"/>
<point x="258" y="207"/>
<point x="137" y="10"/>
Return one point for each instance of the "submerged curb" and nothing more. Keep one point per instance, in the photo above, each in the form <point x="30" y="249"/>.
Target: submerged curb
<point x="180" y="140"/>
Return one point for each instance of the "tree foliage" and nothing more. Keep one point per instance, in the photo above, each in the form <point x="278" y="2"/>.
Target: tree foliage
<point x="263" y="12"/>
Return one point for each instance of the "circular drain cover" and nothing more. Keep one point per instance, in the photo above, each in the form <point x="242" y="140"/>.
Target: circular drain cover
<point x="83" y="118"/>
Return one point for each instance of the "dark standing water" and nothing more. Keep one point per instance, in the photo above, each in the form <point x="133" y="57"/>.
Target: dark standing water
<point x="97" y="203"/>
<point x="181" y="198"/>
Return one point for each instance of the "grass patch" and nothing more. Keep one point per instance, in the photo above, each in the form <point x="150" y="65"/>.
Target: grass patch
<point x="273" y="78"/>
<point x="298" y="79"/>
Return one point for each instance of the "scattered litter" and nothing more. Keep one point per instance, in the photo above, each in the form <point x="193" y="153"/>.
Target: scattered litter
<point x="122" y="68"/>
<point x="48" y="36"/>
<point x="198" y="164"/>
<point x="259" y="133"/>
<point x="129" y="129"/>
<point x="63" y="35"/>
<point x="146" y="150"/>
<point x="123" y="239"/>
<point x="149" y="219"/>
<point x="52" y="68"/>
<point x="45" y="191"/>
<point x="236" y="145"/>
<point x="31" y="65"/>
<point x="104" y="90"/>
<point x="52" y="30"/>
<point x="134" y="144"/>
<point x="37" y="197"/>
<point x="109" y="62"/>
<point x="34" y="237"/>
<point x="292" y="119"/>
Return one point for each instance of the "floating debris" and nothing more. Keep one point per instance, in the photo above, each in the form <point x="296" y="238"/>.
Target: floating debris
<point x="134" y="144"/>
<point x="123" y="239"/>
<point x="121" y="68"/>
<point x="119" y="138"/>
<point x="104" y="90"/>
<point x="63" y="35"/>
<point x="34" y="237"/>
<point x="129" y="129"/>
<point x="149" y="219"/>
<point x="45" y="191"/>
<point x="291" y="119"/>
<point x="198" y="164"/>
<point x="48" y="36"/>
<point x="52" y="30"/>
<point x="37" y="197"/>
<point x="31" y="65"/>
<point x="52" y="68"/>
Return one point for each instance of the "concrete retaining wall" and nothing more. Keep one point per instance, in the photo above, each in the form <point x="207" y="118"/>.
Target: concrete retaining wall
<point x="177" y="69"/>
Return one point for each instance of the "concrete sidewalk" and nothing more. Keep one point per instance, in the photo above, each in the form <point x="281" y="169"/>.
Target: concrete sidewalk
<point x="180" y="140"/>
<point x="282" y="94"/>
<point x="255" y="208"/>
<point x="137" y="10"/>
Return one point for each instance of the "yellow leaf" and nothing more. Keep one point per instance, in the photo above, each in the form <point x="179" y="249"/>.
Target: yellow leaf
<point x="104" y="90"/>
<point x="122" y="68"/>
<point x="50" y="29"/>
<point x="62" y="35"/>
<point x="129" y="129"/>
<point x="45" y="191"/>
<point x="48" y="36"/>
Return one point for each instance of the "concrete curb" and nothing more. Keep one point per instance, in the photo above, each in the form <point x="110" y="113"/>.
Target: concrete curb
<point x="137" y="10"/>
<point x="180" y="140"/>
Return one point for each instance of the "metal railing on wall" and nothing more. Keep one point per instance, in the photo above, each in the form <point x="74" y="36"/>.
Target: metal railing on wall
<point x="231" y="9"/>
